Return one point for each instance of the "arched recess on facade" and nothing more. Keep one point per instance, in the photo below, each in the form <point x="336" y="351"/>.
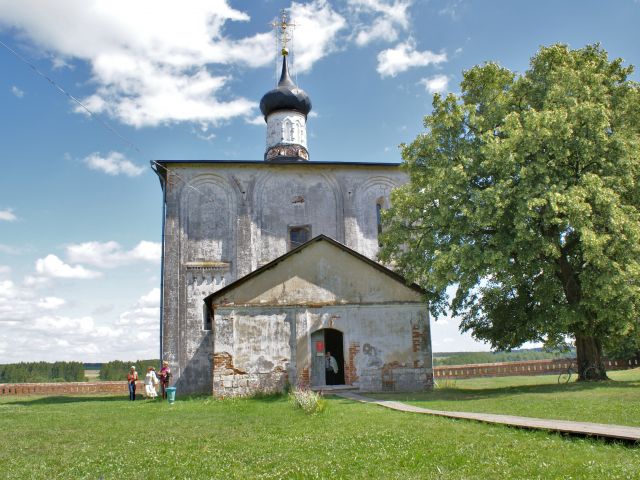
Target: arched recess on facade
<point x="370" y="198"/>
<point x="209" y="210"/>
<point x="284" y="198"/>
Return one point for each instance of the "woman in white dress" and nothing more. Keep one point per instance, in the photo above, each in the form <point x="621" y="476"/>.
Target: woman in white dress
<point x="150" y="382"/>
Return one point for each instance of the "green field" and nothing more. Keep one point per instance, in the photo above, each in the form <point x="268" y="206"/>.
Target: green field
<point x="112" y="438"/>
<point x="92" y="375"/>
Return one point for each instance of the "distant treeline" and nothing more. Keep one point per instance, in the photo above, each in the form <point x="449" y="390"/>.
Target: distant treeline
<point x="117" y="369"/>
<point x="464" y="358"/>
<point x="37" y="372"/>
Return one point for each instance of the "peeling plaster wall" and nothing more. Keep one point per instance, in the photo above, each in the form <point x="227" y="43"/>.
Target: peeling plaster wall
<point x="320" y="274"/>
<point x="235" y="219"/>
<point x="386" y="347"/>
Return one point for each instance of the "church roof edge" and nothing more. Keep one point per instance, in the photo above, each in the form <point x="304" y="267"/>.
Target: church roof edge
<point x="269" y="164"/>
<point x="396" y="276"/>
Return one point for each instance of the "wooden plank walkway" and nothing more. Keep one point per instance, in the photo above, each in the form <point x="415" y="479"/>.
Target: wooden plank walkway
<point x="600" y="430"/>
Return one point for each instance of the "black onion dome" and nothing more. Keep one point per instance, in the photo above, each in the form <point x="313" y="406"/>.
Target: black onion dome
<point x="286" y="96"/>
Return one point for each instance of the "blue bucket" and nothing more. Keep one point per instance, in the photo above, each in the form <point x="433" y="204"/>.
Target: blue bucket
<point x="171" y="394"/>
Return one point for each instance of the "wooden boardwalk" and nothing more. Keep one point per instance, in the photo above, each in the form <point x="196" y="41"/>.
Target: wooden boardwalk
<point x="600" y="430"/>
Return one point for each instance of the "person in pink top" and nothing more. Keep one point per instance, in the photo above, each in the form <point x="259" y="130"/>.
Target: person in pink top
<point x="165" y="375"/>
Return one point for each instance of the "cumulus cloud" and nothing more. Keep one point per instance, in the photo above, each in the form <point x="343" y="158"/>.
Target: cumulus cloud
<point x="379" y="19"/>
<point x="162" y="62"/>
<point x="405" y="56"/>
<point x="36" y="327"/>
<point x="7" y="215"/>
<point x="145" y="313"/>
<point x="17" y="91"/>
<point x="52" y="267"/>
<point x="152" y="61"/>
<point x="318" y="37"/>
<point x="19" y="303"/>
<point x="435" y="83"/>
<point x="114" y="163"/>
<point x="51" y="303"/>
<point x="111" y="254"/>
<point x="258" y="120"/>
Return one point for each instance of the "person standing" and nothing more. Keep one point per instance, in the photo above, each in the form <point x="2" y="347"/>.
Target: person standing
<point x="132" y="378"/>
<point x="150" y="382"/>
<point x="331" y="369"/>
<point x="165" y="375"/>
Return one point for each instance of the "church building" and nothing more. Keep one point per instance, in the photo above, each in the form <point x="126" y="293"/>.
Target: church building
<point x="268" y="265"/>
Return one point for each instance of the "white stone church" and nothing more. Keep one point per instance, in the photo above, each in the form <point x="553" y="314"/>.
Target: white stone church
<point x="269" y="264"/>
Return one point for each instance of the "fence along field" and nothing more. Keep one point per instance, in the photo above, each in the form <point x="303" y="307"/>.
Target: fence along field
<point x="113" y="382"/>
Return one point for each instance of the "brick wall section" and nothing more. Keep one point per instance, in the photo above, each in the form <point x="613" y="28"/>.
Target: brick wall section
<point x="350" y="374"/>
<point x="68" y="388"/>
<point x="535" y="367"/>
<point x="304" y="379"/>
<point x="416" y="338"/>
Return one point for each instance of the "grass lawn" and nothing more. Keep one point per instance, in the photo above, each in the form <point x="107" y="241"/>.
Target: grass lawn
<point x="616" y="401"/>
<point x="112" y="438"/>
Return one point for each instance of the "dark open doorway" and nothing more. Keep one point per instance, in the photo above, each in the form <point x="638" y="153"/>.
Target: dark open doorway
<point x="334" y="344"/>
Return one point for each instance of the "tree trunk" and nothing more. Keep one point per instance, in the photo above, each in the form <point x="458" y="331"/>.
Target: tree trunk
<point x="589" y="352"/>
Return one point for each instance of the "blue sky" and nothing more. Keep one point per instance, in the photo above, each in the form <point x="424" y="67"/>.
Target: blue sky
<point x="80" y="209"/>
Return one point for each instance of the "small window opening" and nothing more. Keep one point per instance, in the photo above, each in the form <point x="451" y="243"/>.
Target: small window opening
<point x="379" y="220"/>
<point x="206" y="318"/>
<point x="299" y="235"/>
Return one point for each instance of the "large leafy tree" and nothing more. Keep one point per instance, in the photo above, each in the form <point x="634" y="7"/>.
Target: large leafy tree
<point x="524" y="193"/>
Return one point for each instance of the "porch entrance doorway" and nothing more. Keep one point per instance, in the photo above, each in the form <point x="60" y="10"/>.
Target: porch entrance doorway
<point x="323" y="341"/>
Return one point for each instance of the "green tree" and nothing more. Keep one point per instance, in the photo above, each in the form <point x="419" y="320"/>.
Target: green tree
<point x="524" y="193"/>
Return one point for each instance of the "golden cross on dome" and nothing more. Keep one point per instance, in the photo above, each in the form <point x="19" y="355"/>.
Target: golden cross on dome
<point x="283" y="25"/>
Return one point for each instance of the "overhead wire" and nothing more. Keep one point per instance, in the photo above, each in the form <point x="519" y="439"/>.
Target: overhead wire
<point x="71" y="97"/>
<point x="106" y="125"/>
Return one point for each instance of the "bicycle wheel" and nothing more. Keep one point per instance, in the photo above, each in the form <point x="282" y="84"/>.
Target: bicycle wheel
<point x="565" y="376"/>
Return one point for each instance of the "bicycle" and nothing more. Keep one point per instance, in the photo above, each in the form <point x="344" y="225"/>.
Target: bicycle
<point x="591" y="372"/>
<point x="567" y="373"/>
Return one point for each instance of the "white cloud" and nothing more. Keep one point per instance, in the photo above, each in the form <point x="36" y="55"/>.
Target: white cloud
<point x="52" y="267"/>
<point x="152" y="61"/>
<point x="20" y="303"/>
<point x="145" y="313"/>
<point x="405" y="56"/>
<point x="5" y="271"/>
<point x="317" y="36"/>
<point x="31" y="331"/>
<point x="51" y="303"/>
<point x="258" y="120"/>
<point x="17" y="92"/>
<point x="111" y="254"/>
<point x="32" y="281"/>
<point x="113" y="164"/>
<point x="435" y="83"/>
<point x="380" y="20"/>
<point x="151" y="299"/>
<point x="7" y="215"/>
<point x="52" y="323"/>
<point x="452" y="9"/>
